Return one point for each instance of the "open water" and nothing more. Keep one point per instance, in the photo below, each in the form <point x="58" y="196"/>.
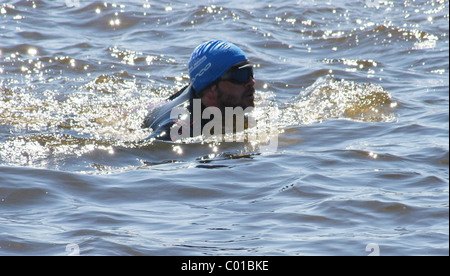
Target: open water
<point x="357" y="93"/>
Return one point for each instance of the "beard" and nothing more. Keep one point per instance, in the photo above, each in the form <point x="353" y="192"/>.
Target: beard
<point x="246" y="100"/>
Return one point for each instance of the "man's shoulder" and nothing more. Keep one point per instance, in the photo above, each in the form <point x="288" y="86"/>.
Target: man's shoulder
<point x="160" y="114"/>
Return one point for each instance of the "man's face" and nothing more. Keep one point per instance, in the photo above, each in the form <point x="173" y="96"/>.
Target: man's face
<point x="233" y="95"/>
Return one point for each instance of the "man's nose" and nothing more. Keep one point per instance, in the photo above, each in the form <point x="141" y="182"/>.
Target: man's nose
<point x="250" y="83"/>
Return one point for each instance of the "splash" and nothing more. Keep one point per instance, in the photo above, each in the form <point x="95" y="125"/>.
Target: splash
<point x="48" y="128"/>
<point x="98" y="127"/>
<point x="332" y="98"/>
<point x="107" y="107"/>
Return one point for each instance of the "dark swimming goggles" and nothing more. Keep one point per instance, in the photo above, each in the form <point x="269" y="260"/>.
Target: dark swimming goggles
<point x="239" y="75"/>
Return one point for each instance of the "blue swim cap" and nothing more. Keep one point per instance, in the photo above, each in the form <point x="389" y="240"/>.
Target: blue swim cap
<point x="211" y="60"/>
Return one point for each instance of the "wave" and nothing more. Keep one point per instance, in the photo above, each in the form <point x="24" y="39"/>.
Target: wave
<point x="332" y="98"/>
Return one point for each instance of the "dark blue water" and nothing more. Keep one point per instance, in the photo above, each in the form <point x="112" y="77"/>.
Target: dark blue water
<point x="357" y="94"/>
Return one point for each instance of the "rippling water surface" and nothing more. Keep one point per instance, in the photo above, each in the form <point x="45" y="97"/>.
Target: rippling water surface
<point x="357" y="94"/>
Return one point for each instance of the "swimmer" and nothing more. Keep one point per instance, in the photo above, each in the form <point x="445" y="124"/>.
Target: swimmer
<point x="221" y="76"/>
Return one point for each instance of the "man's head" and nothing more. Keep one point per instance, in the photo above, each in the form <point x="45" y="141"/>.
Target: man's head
<point x="222" y="75"/>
